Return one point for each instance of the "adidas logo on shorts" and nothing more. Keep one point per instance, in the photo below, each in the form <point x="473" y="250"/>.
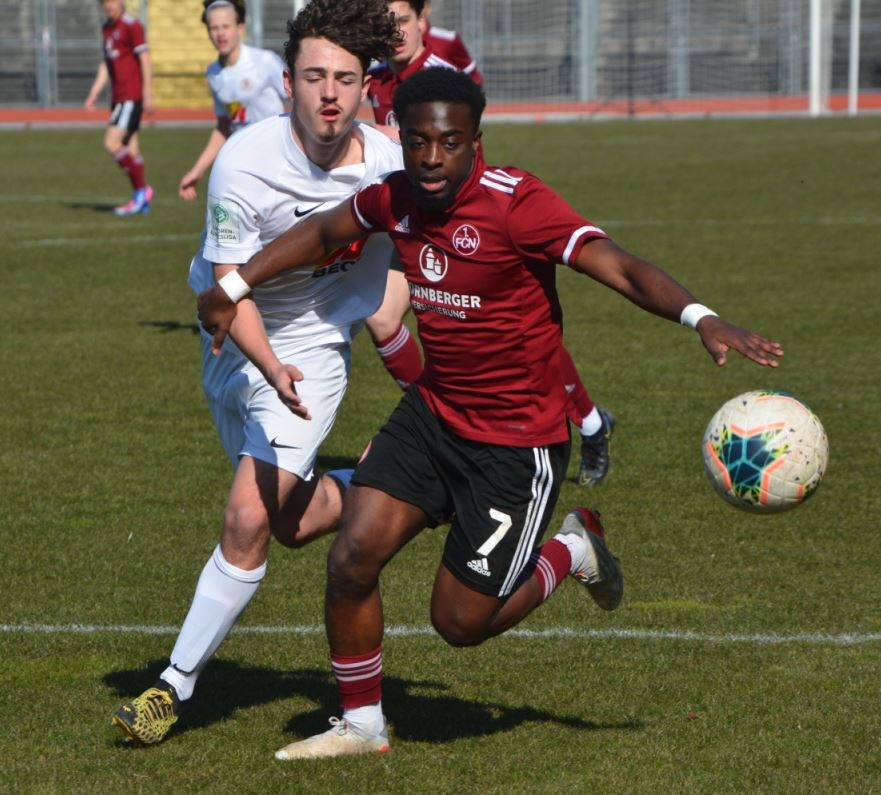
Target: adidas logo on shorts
<point x="480" y="566"/>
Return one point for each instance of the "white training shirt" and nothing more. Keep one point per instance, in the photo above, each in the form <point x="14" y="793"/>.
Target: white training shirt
<point x="250" y="90"/>
<point x="262" y="184"/>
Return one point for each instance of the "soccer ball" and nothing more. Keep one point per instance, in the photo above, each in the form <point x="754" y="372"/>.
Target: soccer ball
<point x="765" y="451"/>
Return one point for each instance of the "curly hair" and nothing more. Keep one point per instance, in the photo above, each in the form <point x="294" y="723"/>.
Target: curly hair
<point x="440" y="84"/>
<point x="364" y="28"/>
<point x="238" y="7"/>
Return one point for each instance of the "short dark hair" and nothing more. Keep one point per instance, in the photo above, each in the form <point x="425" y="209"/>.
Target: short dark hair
<point x="238" y="6"/>
<point x="364" y="28"/>
<point x="439" y="84"/>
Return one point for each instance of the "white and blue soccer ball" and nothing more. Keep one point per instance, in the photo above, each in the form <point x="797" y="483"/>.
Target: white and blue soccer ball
<point x="765" y="451"/>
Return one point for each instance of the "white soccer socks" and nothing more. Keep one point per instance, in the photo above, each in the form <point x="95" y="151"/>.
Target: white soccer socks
<point x="222" y="593"/>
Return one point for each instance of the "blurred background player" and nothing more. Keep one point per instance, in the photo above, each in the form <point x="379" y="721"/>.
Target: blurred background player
<point x="448" y="45"/>
<point x="411" y="55"/>
<point x="128" y="69"/>
<point x="392" y="339"/>
<point x="247" y="83"/>
<point x="293" y="338"/>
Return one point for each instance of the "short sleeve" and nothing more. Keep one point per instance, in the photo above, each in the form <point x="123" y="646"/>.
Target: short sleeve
<point x="542" y="225"/>
<point x="232" y="233"/>
<point x="370" y="207"/>
<point x="138" y="36"/>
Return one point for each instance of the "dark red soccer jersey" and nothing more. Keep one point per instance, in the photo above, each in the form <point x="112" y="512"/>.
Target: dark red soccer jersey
<point x="384" y="82"/>
<point x="124" y="39"/>
<point x="482" y="287"/>
<point x="448" y="45"/>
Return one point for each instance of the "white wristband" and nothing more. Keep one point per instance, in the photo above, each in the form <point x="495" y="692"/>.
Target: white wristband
<point x="236" y="287"/>
<point x="694" y="313"/>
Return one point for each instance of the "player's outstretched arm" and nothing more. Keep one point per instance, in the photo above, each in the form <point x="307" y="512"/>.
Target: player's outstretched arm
<point x="653" y="289"/>
<point x="304" y="244"/>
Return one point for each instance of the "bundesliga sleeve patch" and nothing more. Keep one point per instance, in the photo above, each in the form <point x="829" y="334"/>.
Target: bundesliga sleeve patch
<point x="223" y="221"/>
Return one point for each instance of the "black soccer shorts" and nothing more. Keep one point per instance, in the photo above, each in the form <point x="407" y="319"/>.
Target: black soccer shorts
<point x="499" y="499"/>
<point x="128" y="116"/>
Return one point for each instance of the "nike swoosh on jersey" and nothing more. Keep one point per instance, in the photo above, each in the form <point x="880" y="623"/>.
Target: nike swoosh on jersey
<point x="282" y="446"/>
<point x="300" y="213"/>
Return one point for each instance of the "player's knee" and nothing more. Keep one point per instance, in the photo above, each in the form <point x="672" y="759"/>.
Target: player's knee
<point x="351" y="568"/>
<point x="298" y="525"/>
<point x="457" y="634"/>
<point x="288" y="537"/>
<point x="245" y="525"/>
<point x="455" y="629"/>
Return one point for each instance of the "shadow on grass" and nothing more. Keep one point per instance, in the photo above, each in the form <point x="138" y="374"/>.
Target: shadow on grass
<point x="170" y="325"/>
<point x="98" y="207"/>
<point x="419" y="711"/>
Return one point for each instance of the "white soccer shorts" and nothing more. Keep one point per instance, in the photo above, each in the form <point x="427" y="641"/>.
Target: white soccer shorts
<point x="251" y="419"/>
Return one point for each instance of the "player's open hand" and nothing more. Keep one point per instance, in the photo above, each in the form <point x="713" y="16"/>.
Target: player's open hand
<point x="216" y="314"/>
<point x="719" y="336"/>
<point x="284" y="379"/>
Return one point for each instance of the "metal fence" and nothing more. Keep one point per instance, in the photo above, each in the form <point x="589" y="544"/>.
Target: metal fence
<point x="553" y="52"/>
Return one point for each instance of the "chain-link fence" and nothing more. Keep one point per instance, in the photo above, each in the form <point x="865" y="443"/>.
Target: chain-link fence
<point x="556" y="52"/>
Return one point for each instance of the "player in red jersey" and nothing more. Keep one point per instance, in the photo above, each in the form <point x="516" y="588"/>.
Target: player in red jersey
<point x="448" y="45"/>
<point x="594" y="424"/>
<point x="396" y="347"/>
<point x="128" y="69"/>
<point x="483" y="439"/>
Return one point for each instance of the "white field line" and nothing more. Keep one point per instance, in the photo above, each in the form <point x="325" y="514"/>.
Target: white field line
<point x="11" y="198"/>
<point x="757" y="639"/>
<point x="49" y="242"/>
<point x="853" y="220"/>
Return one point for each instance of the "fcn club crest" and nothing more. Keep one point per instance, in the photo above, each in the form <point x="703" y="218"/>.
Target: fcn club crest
<point x="466" y="240"/>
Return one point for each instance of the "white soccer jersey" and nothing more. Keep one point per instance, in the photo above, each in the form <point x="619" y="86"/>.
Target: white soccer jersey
<point x="250" y="90"/>
<point x="261" y="185"/>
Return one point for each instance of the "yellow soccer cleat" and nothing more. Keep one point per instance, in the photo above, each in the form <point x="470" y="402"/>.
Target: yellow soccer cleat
<point x="148" y="718"/>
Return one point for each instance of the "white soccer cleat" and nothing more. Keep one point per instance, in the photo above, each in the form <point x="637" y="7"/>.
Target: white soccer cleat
<point x="599" y="570"/>
<point x="338" y="740"/>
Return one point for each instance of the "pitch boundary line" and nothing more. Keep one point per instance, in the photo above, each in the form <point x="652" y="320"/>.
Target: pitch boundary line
<point x="85" y="241"/>
<point x="47" y="242"/>
<point x="687" y="636"/>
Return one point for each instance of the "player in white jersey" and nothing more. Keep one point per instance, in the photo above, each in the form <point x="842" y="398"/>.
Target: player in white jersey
<point x="247" y="83"/>
<point x="297" y="330"/>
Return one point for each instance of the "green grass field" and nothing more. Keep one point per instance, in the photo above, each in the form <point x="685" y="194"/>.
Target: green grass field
<point x="746" y="656"/>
